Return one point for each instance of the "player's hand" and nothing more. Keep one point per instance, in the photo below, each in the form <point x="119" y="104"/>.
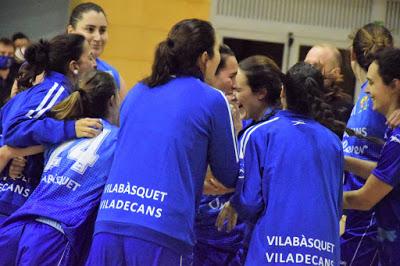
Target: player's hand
<point x="5" y="156"/>
<point x="342" y="224"/>
<point x="88" y="127"/>
<point x="394" y="119"/>
<point x="16" y="167"/>
<point x="213" y="187"/>
<point x="227" y="218"/>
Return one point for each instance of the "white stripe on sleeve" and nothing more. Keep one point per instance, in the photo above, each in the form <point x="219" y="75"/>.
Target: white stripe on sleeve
<point x="248" y="133"/>
<point x="43" y="102"/>
<point x="52" y="102"/>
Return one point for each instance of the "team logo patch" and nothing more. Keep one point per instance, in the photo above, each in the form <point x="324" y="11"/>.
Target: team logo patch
<point x="298" y="122"/>
<point x="395" y="138"/>
<point x="364" y="103"/>
<point x="389" y="235"/>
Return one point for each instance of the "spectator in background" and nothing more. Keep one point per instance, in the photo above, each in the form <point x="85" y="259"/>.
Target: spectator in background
<point x="7" y="74"/>
<point x="329" y="60"/>
<point x="21" y="42"/>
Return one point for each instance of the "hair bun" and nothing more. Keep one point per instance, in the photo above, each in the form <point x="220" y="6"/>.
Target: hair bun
<point x="170" y="43"/>
<point x="37" y="54"/>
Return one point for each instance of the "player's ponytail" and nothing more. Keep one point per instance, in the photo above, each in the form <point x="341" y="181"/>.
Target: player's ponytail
<point x="304" y="87"/>
<point x="161" y="70"/>
<point x="69" y="108"/>
<point x="37" y="58"/>
<point x="37" y="54"/>
<point x="369" y="40"/>
<point x="91" y="100"/>
<point x="178" y="54"/>
<point x="26" y="76"/>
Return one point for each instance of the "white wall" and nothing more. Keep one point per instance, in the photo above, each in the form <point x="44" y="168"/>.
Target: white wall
<point x="310" y="21"/>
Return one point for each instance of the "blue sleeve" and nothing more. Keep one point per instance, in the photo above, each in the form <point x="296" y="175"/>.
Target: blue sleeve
<point x="388" y="168"/>
<point x="222" y="149"/>
<point x="30" y="125"/>
<point x="25" y="132"/>
<point x="247" y="199"/>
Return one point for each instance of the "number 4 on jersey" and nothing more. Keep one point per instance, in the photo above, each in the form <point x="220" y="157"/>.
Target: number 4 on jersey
<point x="85" y="152"/>
<point x="55" y="159"/>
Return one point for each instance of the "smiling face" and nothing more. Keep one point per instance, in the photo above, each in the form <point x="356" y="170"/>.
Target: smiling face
<point x="251" y="104"/>
<point x="92" y="25"/>
<point x="384" y="97"/>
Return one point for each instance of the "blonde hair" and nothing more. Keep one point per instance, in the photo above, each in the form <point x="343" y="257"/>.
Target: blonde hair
<point x="70" y="108"/>
<point x="369" y="40"/>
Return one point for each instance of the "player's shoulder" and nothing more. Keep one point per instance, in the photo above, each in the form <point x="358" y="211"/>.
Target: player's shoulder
<point x="110" y="131"/>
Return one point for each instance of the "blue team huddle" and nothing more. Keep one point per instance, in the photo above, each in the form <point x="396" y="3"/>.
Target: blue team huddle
<point x="206" y="161"/>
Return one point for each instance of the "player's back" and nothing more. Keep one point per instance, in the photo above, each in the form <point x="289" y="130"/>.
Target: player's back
<point x="168" y="135"/>
<point x="72" y="182"/>
<point x="301" y="168"/>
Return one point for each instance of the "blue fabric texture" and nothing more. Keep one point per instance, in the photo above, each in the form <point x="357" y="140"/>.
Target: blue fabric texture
<point x="358" y="243"/>
<point x="24" y="123"/>
<point x="290" y="186"/>
<point x="168" y="136"/>
<point x="71" y="186"/>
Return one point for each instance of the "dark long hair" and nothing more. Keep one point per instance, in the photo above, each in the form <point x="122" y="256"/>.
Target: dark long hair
<point x="263" y="73"/>
<point x="304" y="95"/>
<point x="54" y="55"/>
<point x="388" y="61"/>
<point x="177" y="55"/>
<point x="90" y="100"/>
<point x="79" y="10"/>
<point x="304" y="89"/>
